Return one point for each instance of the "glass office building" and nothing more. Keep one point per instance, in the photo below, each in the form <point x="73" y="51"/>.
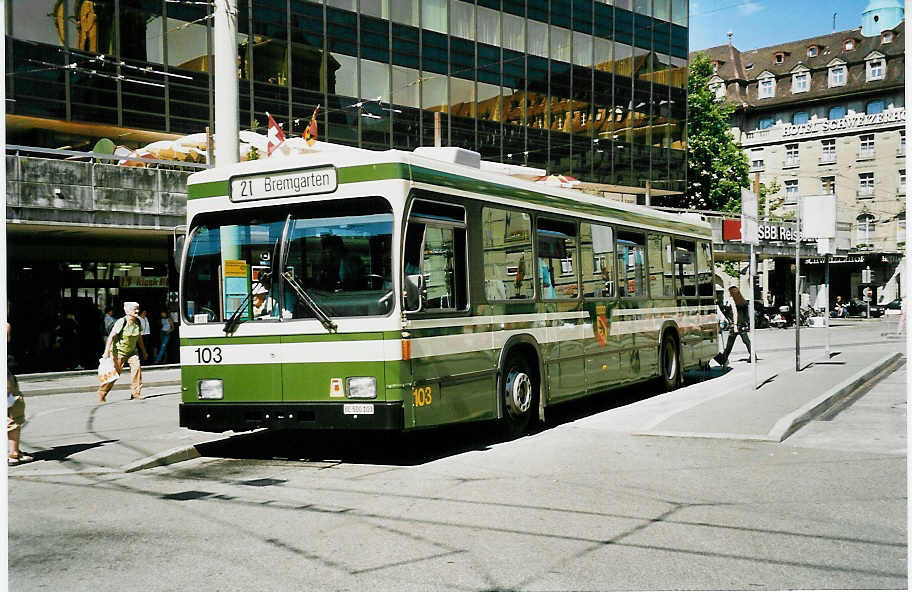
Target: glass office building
<point x="588" y="88"/>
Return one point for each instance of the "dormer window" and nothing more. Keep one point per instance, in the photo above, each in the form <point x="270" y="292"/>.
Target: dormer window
<point x="848" y="45"/>
<point x="717" y="86"/>
<point x="874" y="66"/>
<point x="812" y="51"/>
<point x="887" y="37"/>
<point x="837" y="73"/>
<point x="801" y="82"/>
<point x="766" y="86"/>
<point x="715" y="67"/>
<point x="780" y="57"/>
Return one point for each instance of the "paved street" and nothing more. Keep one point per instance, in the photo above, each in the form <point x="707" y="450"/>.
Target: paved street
<point x="630" y="490"/>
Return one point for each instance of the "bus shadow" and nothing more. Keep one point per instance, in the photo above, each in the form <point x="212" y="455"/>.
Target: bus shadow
<point x="423" y="446"/>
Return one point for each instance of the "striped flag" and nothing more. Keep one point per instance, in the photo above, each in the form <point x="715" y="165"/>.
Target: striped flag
<point x="274" y="134"/>
<point x="310" y="133"/>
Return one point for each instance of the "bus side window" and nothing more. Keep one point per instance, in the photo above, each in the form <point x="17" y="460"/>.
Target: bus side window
<point x="656" y="270"/>
<point x="597" y="260"/>
<point x="508" y="266"/>
<point x="557" y="275"/>
<point x="631" y="257"/>
<point x="704" y="270"/>
<point x="685" y="260"/>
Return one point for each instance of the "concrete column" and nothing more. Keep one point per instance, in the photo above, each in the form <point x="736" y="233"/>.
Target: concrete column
<point x="226" y="82"/>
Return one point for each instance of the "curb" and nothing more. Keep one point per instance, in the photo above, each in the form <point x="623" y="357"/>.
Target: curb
<point x="87" y="372"/>
<point x="74" y="389"/>
<point x="790" y="423"/>
<point x="175" y="455"/>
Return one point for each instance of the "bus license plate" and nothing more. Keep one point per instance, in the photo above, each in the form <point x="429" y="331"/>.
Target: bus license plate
<point x="357" y="409"/>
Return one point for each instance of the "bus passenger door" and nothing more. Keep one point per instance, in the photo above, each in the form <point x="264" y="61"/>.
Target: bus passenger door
<point x="447" y="353"/>
<point x="685" y="263"/>
<point x="601" y="343"/>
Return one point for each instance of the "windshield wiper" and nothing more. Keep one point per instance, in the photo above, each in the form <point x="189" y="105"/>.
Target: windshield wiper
<point x="309" y="302"/>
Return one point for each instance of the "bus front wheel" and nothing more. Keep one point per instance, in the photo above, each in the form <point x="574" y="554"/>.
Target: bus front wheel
<point x="670" y="362"/>
<point x="519" y="393"/>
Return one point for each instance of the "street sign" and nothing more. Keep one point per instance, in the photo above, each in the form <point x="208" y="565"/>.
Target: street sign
<point x="867" y="294"/>
<point x="749" y="231"/>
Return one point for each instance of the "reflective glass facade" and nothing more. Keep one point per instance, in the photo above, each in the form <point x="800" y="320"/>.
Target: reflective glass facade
<point x="579" y="87"/>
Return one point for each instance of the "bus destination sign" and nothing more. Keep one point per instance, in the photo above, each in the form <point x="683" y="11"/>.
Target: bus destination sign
<point x="286" y="184"/>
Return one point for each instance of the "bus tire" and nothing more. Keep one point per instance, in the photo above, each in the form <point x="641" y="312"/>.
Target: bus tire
<point x="519" y="394"/>
<point x="669" y="363"/>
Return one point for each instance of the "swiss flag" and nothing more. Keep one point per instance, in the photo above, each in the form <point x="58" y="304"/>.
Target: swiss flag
<point x="274" y="134"/>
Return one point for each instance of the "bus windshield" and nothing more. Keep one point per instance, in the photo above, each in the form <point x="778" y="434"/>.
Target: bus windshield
<point x="340" y="252"/>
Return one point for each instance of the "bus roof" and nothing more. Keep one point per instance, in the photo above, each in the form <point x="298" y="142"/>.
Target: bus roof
<point x="357" y="165"/>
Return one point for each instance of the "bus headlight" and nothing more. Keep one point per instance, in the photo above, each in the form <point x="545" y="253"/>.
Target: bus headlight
<point x="361" y="387"/>
<point x="209" y="388"/>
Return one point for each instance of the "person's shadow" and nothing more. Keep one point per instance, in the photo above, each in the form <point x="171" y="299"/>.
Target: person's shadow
<point x="64" y="452"/>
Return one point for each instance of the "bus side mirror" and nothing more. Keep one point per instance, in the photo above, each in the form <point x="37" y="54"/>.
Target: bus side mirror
<point x="179" y="240"/>
<point x="414" y="289"/>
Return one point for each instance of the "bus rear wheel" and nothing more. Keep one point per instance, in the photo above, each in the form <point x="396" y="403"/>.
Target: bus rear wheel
<point x="519" y="393"/>
<point x="670" y="364"/>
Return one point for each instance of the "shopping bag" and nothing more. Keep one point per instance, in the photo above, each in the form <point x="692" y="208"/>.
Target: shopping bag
<point x="106" y="371"/>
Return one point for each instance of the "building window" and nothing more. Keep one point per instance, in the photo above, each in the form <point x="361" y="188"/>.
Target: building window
<point x="848" y="45"/>
<point x="791" y="191"/>
<point x="865" y="184"/>
<point x="887" y="37"/>
<point x="780" y="57"/>
<point x="864" y="230"/>
<point x="874" y="107"/>
<point x="766" y="123"/>
<point x="901" y="230"/>
<point x="791" y="155"/>
<point x="827" y="151"/>
<point x="901" y="190"/>
<point x="837" y="112"/>
<point x="875" y="70"/>
<point x="801" y="82"/>
<point x="812" y="51"/>
<point x="718" y="89"/>
<point x="837" y="76"/>
<point x="800" y="117"/>
<point x="757" y="159"/>
<point x="766" y="88"/>
<point x="901" y="151"/>
<point x="866" y="146"/>
<point x="828" y="185"/>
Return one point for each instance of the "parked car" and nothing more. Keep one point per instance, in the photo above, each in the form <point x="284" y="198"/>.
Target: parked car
<point x="859" y="308"/>
<point x="893" y="305"/>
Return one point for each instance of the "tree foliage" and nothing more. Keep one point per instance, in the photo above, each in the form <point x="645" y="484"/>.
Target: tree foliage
<point x="716" y="166"/>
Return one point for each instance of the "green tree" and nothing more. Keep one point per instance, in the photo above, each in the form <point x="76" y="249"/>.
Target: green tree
<point x="716" y="166"/>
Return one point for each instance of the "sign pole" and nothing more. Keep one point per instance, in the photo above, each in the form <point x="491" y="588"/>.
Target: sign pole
<point x="826" y="310"/>
<point x="750" y="234"/>
<point x="797" y="310"/>
<point x="752" y="312"/>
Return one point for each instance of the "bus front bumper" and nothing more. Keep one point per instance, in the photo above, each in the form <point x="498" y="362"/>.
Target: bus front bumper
<point x="241" y="417"/>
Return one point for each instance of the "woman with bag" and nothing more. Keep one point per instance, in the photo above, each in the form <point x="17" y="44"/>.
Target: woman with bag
<point x="122" y="342"/>
<point x="740" y="326"/>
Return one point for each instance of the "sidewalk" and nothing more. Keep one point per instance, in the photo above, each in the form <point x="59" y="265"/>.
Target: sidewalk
<point x="78" y="381"/>
<point x="68" y="432"/>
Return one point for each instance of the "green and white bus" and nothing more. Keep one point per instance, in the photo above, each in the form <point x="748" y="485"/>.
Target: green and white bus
<point x="355" y="289"/>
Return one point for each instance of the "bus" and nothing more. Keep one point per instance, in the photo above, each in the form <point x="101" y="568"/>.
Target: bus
<point x="356" y="289"/>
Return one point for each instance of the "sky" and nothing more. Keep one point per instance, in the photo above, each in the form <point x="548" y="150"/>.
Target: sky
<point x="761" y="23"/>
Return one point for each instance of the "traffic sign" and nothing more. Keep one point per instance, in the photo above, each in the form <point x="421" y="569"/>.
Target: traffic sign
<point x="867" y="294"/>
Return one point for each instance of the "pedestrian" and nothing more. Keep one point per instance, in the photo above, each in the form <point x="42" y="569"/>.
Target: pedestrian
<point x="109" y="321"/>
<point x="68" y="337"/>
<point x="122" y="343"/>
<point x="144" y="322"/>
<point x="164" y="336"/>
<point x="15" y="416"/>
<point x="740" y="326"/>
